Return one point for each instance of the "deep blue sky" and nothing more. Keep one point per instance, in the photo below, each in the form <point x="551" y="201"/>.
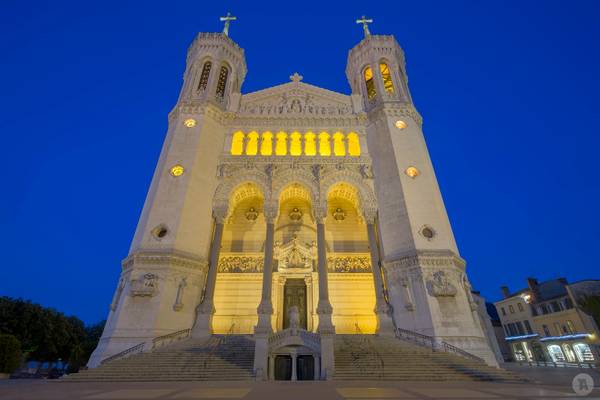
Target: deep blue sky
<point x="509" y="92"/>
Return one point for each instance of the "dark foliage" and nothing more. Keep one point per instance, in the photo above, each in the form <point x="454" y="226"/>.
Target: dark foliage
<point x="46" y="334"/>
<point x="10" y="354"/>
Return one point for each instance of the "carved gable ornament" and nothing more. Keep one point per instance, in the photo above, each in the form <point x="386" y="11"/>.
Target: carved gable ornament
<point x="295" y="99"/>
<point x="145" y="286"/>
<point x="440" y="286"/>
<point x="295" y="256"/>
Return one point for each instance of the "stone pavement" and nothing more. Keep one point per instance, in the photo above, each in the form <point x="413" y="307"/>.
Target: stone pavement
<point x="368" y="390"/>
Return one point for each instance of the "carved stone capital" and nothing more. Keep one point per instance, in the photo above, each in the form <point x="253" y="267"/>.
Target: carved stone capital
<point x="320" y="213"/>
<point x="220" y="213"/>
<point x="270" y="211"/>
<point x="370" y="215"/>
<point x="265" y="308"/>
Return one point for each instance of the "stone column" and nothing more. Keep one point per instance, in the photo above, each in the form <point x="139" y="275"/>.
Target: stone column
<point x="206" y="309"/>
<point x="265" y="309"/>
<point x="385" y="325"/>
<point x="294" y="367"/>
<point x="324" y="310"/>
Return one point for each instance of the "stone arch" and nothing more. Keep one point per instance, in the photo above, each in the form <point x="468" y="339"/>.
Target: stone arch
<point x="368" y="202"/>
<point x="281" y="179"/>
<point x="229" y="185"/>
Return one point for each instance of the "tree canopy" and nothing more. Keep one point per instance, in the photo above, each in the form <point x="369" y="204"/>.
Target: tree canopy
<point x="47" y="334"/>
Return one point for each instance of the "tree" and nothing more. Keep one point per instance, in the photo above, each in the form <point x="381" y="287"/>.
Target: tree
<point x="46" y="334"/>
<point x="10" y="354"/>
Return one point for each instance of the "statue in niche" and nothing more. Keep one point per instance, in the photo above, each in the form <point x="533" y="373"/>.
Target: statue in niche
<point x="295" y="106"/>
<point x="294" y="318"/>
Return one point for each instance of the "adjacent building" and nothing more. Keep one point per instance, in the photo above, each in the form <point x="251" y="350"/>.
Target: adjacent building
<point x="546" y="321"/>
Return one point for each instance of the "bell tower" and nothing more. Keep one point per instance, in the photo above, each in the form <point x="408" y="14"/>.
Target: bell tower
<point x="163" y="278"/>
<point x="425" y="276"/>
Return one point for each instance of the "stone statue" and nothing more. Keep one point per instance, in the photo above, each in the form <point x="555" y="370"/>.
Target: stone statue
<point x="294" y="317"/>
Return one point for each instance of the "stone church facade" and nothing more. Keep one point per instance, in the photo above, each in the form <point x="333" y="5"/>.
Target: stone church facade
<point x="293" y="214"/>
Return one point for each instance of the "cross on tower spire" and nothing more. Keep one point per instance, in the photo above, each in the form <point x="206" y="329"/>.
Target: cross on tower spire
<point x="365" y="23"/>
<point x="227" y="19"/>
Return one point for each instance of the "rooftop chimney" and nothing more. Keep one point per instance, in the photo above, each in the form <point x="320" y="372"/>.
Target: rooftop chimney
<point x="533" y="288"/>
<point x="505" y="291"/>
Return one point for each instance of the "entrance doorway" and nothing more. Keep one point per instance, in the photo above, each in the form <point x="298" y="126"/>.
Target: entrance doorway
<point x="283" y="368"/>
<point x="306" y="368"/>
<point x="294" y="294"/>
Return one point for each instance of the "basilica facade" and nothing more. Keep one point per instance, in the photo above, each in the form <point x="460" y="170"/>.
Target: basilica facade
<point x="293" y="214"/>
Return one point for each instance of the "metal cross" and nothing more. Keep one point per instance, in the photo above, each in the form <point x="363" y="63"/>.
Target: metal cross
<point x="227" y="19"/>
<point x="365" y="23"/>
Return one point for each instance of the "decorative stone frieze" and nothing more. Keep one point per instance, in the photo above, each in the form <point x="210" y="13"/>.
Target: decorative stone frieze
<point x="241" y="264"/>
<point x="144" y="286"/>
<point x="349" y="263"/>
<point x="440" y="286"/>
<point x="164" y="259"/>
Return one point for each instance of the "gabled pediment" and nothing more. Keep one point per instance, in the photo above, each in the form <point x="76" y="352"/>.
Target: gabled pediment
<point x="295" y="98"/>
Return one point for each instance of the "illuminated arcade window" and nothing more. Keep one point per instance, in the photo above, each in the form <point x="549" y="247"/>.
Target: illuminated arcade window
<point x="388" y="85"/>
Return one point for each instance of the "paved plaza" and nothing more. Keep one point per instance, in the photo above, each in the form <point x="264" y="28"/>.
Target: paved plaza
<point x="55" y="390"/>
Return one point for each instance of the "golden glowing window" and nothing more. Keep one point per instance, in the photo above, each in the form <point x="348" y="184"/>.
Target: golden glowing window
<point x="353" y="144"/>
<point x="252" y="144"/>
<point x="222" y="83"/>
<point x="310" y="146"/>
<point x="400" y="124"/>
<point x="295" y="144"/>
<point x="266" y="145"/>
<point x="190" y="122"/>
<point x="324" y="146"/>
<point x="413" y="172"/>
<point x="204" y="75"/>
<point x="237" y="143"/>
<point x="388" y="85"/>
<point x="177" y="170"/>
<point x="371" y="92"/>
<point x="339" y="148"/>
<point x="281" y="145"/>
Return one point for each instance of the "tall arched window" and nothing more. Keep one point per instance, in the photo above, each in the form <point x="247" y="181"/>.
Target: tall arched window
<point x="237" y="143"/>
<point x="252" y="144"/>
<point x="324" y="146"/>
<point x="353" y="144"/>
<point x="310" y="146"/>
<point x="339" y="149"/>
<point x="204" y="75"/>
<point x="222" y="83"/>
<point x="371" y="92"/>
<point x="266" y="145"/>
<point x="388" y="84"/>
<point x="281" y="145"/>
<point x="295" y="144"/>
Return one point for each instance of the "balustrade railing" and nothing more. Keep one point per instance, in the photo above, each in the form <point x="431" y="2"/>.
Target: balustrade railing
<point x="558" y="364"/>
<point x="170" y="338"/>
<point x="434" y="344"/>
<point x="138" y="348"/>
<point x="157" y="342"/>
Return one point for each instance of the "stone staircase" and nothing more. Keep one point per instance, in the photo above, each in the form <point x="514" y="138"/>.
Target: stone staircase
<point x="371" y="357"/>
<point x="218" y="358"/>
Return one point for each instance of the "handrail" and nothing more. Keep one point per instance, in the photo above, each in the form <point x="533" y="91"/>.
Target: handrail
<point x="138" y="348"/>
<point x="558" y="364"/>
<point x="182" y="334"/>
<point x="435" y="345"/>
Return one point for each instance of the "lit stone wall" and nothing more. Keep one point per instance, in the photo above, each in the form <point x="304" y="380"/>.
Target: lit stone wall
<point x="352" y="297"/>
<point x="237" y="296"/>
